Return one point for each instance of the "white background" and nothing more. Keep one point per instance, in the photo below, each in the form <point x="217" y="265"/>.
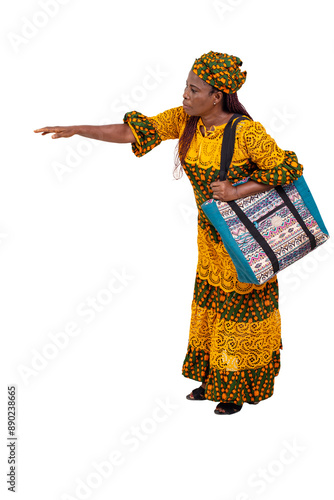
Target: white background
<point x="64" y="239"/>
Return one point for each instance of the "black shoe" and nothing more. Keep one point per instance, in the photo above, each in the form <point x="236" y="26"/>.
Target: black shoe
<point x="228" y="408"/>
<point x="197" y="394"/>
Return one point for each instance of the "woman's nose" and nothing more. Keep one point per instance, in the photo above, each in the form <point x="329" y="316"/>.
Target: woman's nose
<point x="185" y="94"/>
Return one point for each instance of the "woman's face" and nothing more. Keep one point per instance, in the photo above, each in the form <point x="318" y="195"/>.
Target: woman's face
<point x="197" y="100"/>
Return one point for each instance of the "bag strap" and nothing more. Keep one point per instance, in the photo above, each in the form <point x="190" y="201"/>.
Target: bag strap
<point x="228" y="144"/>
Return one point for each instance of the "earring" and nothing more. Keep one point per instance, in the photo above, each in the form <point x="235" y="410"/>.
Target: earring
<point x="214" y="103"/>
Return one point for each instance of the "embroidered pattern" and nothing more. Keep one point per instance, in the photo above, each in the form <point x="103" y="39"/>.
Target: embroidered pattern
<point x="256" y="305"/>
<point x="234" y="345"/>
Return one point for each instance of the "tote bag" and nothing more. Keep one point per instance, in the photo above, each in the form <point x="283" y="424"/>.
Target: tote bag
<point x="266" y="232"/>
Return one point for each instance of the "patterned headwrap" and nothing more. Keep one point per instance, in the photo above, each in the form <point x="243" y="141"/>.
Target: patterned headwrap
<point x="221" y="71"/>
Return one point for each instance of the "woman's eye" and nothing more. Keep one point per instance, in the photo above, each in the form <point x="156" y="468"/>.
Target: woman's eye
<point x="192" y="90"/>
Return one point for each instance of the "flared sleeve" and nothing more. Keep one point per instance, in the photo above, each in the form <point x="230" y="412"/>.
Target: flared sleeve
<point x="275" y="166"/>
<point x="151" y="131"/>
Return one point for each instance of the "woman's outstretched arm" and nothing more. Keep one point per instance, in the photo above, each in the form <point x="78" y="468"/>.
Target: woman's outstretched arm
<point x="120" y="133"/>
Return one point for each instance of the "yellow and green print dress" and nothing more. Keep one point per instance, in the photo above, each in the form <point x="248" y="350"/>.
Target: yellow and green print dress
<point x="235" y="331"/>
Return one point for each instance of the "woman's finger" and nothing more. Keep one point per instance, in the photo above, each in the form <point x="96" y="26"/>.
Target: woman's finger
<point x="47" y="130"/>
<point x="43" y="130"/>
<point x="57" y="131"/>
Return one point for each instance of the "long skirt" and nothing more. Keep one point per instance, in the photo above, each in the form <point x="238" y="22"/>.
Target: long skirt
<point x="235" y="329"/>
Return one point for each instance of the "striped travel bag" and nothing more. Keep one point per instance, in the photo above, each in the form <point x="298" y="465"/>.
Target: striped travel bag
<point x="266" y="232"/>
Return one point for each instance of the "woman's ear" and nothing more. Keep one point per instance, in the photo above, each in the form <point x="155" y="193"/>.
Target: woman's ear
<point x="219" y="97"/>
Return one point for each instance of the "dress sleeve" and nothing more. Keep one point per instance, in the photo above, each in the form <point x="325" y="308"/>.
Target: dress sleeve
<point x="151" y="131"/>
<point x="274" y="165"/>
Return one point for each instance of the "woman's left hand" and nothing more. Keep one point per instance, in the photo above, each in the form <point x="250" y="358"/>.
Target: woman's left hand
<point x="224" y="191"/>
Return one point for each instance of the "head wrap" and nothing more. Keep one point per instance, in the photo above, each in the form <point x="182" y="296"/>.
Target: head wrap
<point x="221" y="71"/>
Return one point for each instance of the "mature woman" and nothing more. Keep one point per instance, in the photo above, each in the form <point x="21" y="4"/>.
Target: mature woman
<point x="235" y="331"/>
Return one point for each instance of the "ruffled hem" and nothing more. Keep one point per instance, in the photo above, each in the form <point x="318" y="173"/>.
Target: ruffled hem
<point x="246" y="386"/>
<point x="146" y="135"/>
<point x="285" y="173"/>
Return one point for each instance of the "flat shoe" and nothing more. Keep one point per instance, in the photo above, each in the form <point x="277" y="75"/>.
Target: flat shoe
<point x="228" y="408"/>
<point x="198" y="394"/>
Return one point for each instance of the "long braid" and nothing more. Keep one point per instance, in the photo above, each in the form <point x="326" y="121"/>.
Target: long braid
<point x="231" y="104"/>
<point x="183" y="145"/>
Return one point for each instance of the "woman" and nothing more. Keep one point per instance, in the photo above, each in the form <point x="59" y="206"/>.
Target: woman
<point x="235" y="331"/>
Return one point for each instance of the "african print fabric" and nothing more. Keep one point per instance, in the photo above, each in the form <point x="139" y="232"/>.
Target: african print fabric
<point x="235" y="330"/>
<point x="222" y="71"/>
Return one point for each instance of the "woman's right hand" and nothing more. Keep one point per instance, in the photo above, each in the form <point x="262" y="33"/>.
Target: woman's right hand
<point x="58" y="131"/>
<point x="117" y="132"/>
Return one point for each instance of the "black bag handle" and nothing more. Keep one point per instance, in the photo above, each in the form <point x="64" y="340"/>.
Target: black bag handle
<point x="228" y="144"/>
